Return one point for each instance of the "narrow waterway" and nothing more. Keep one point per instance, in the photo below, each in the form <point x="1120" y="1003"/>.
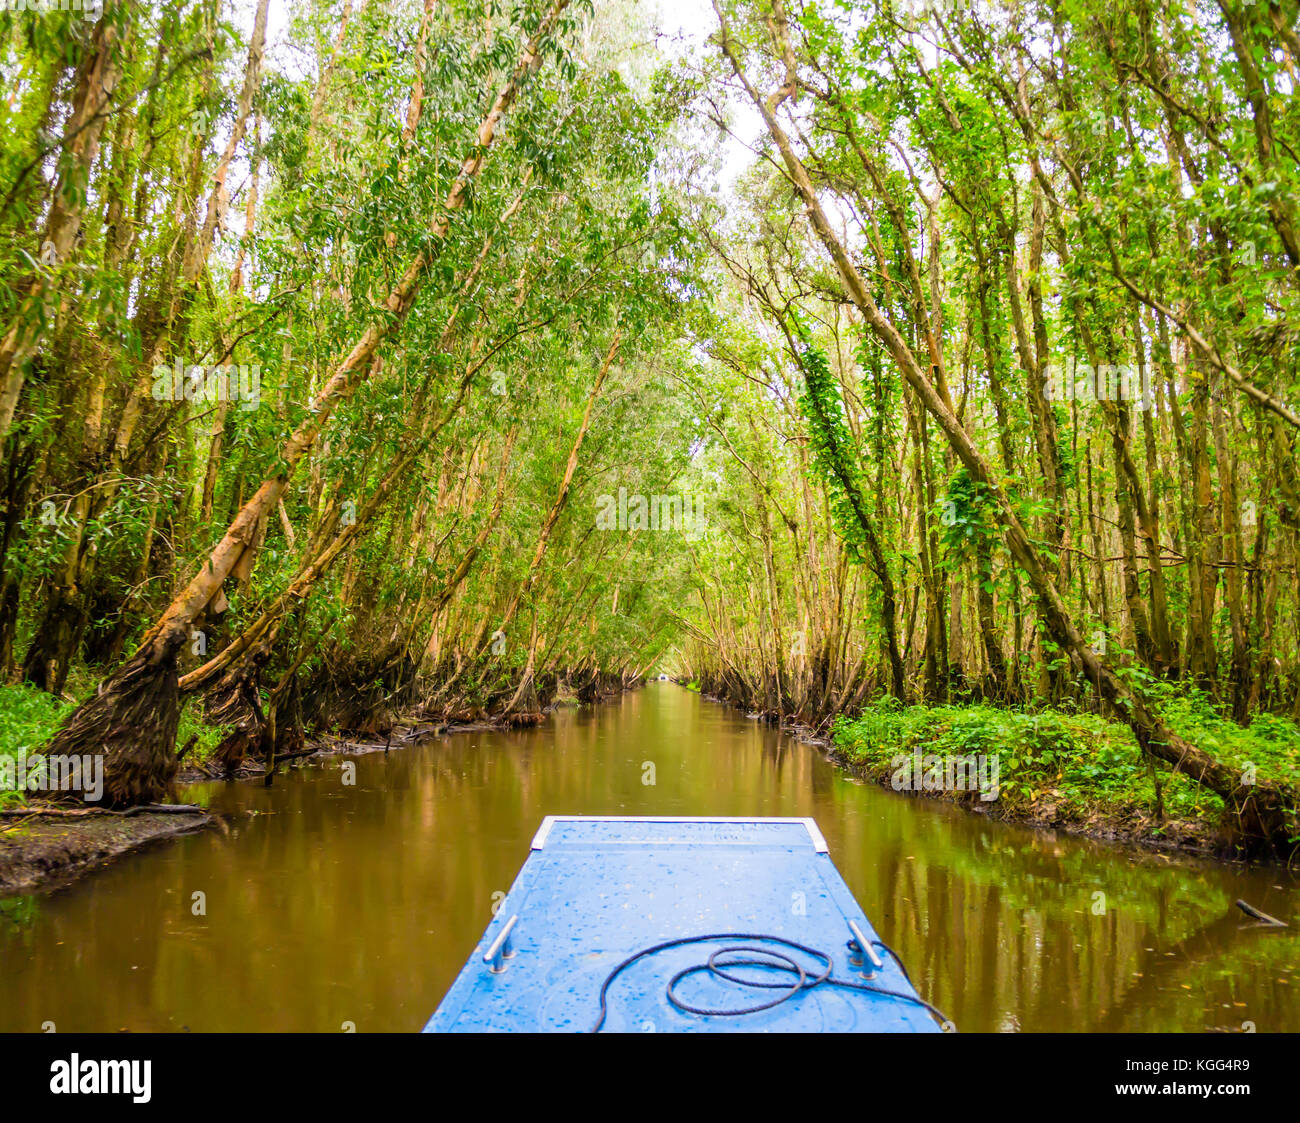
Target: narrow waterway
<point x="334" y="905"/>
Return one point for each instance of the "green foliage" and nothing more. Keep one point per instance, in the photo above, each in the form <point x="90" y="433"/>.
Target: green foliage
<point x="968" y="516"/>
<point x="28" y="718"/>
<point x="1088" y="768"/>
<point x="209" y="736"/>
<point x="834" y="454"/>
<point x="1130" y="174"/>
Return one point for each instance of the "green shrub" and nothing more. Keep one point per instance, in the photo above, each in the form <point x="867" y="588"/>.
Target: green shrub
<point x="1084" y="763"/>
<point x="28" y="719"/>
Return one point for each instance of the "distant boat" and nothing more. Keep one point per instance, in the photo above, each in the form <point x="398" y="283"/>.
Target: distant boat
<point x="677" y="925"/>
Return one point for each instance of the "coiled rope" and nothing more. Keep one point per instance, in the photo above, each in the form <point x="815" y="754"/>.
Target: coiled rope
<point x="800" y="980"/>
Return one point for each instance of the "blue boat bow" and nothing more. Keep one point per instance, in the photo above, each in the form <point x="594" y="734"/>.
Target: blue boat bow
<point x="681" y="925"/>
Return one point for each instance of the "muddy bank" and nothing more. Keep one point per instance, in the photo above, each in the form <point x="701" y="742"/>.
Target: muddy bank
<point x="39" y="854"/>
<point x="380" y="733"/>
<point x="1130" y="826"/>
<point x="1133" y="828"/>
<point x="320" y="749"/>
<point x="46" y="853"/>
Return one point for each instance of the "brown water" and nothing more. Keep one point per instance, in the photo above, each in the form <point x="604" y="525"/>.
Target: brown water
<point x="340" y="904"/>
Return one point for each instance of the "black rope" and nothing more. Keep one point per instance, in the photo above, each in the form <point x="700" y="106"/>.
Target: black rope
<point x="774" y="961"/>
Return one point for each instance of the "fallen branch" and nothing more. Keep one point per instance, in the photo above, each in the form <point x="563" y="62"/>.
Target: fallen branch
<point x="294" y="756"/>
<point x="180" y="756"/>
<point x="65" y="813"/>
<point x="1271" y="921"/>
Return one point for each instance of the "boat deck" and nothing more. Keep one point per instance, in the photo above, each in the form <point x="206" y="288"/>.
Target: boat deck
<point x="596" y="891"/>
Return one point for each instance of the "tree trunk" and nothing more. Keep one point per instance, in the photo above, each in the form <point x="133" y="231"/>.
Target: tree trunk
<point x="139" y="752"/>
<point x="1262" y="811"/>
<point x="96" y="78"/>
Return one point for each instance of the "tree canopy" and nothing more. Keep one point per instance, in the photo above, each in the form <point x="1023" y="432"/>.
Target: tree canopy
<point x="421" y="359"/>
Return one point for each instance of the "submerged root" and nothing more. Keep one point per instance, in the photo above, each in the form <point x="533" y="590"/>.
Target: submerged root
<point x="523" y="719"/>
<point x="234" y="701"/>
<point x="1261" y="819"/>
